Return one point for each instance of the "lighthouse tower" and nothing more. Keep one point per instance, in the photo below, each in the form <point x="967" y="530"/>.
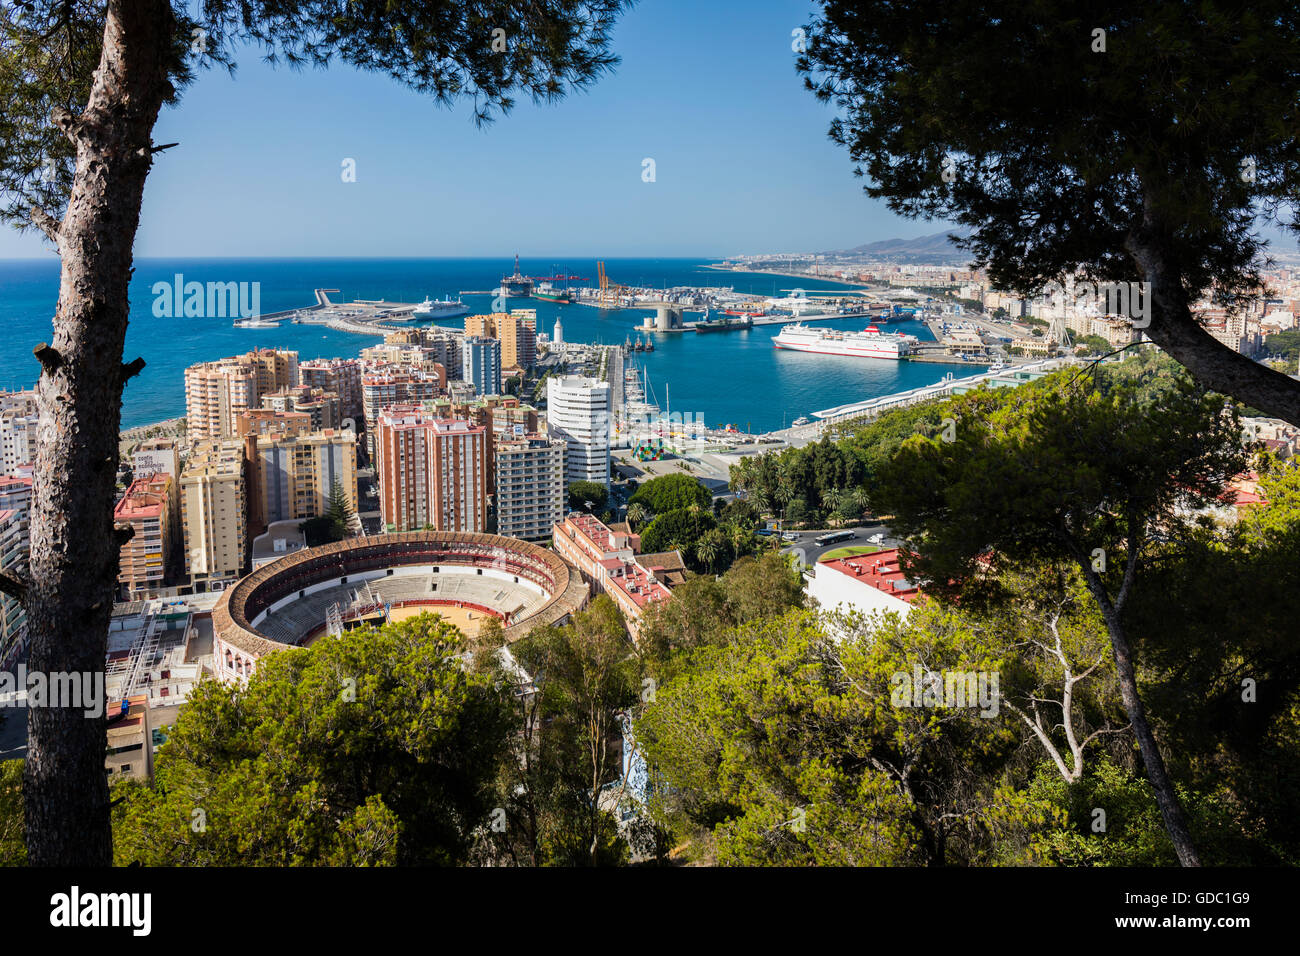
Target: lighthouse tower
<point x="558" y="336"/>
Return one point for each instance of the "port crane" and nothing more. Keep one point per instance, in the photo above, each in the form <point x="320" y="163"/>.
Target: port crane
<point x="609" y="291"/>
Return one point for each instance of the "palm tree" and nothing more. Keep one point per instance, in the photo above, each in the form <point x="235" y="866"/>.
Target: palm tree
<point x="637" y="515"/>
<point x="708" y="549"/>
<point x="833" y="500"/>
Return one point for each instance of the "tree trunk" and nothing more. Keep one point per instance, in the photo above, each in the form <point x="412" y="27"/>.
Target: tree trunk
<point x="1166" y="796"/>
<point x="1174" y="329"/>
<point x="74" y="552"/>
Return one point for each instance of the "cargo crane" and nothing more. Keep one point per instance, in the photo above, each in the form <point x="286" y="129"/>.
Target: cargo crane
<point x="609" y="291"/>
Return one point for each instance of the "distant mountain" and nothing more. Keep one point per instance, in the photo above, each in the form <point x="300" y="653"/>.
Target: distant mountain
<point x="935" y="248"/>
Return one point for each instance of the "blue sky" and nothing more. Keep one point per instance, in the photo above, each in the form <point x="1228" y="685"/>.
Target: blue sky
<point x="706" y="88"/>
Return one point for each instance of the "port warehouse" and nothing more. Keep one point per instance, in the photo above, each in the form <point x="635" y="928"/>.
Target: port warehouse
<point x="286" y="603"/>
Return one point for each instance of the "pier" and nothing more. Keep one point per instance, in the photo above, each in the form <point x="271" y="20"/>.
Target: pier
<point x="360" y="317"/>
<point x="863" y="412"/>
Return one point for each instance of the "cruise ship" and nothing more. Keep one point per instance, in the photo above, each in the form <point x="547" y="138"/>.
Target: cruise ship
<point x="440" y="309"/>
<point x="871" y="343"/>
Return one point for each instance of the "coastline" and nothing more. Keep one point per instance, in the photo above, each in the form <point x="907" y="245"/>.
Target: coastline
<point x="790" y="275"/>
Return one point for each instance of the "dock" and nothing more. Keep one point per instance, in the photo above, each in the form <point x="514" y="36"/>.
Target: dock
<point x="873" y="408"/>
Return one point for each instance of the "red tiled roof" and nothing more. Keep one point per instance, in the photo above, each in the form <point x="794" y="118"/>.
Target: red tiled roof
<point x="880" y="571"/>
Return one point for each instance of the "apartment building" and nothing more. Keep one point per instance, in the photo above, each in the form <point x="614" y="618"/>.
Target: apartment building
<point x="610" y="561"/>
<point x="214" y="509"/>
<point x="578" y="410"/>
<point x="14" y="548"/>
<point x="431" y="471"/>
<point x="216" y="393"/>
<point x="442" y="346"/>
<point x="267" y="421"/>
<point x="393" y="385"/>
<point x="529" y="480"/>
<point x="340" y="376"/>
<point x="291" y="476"/>
<point x="324" y="408"/>
<point x="147" y="561"/>
<point x="482" y="364"/>
<point x="17" y="429"/>
<point x="515" y="330"/>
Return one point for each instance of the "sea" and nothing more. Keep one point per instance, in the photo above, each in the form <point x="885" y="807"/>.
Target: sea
<point x="736" y="378"/>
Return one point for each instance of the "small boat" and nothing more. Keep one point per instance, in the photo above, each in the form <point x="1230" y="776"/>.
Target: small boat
<point x="801" y="421"/>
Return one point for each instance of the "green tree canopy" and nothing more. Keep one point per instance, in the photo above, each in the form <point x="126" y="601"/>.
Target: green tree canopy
<point x="375" y="747"/>
<point x="589" y="496"/>
<point x="1059" y="471"/>
<point x="671" y="492"/>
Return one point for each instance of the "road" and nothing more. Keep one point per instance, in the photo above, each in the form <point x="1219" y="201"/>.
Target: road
<point x="805" y="541"/>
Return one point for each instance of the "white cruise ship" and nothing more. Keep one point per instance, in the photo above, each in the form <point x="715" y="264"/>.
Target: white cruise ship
<point x="440" y="309"/>
<point x="871" y="343"/>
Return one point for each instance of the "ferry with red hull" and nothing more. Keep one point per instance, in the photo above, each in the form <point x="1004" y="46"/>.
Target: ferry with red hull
<point x="871" y="343"/>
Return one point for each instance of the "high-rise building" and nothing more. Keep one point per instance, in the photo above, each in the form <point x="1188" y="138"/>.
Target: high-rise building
<point x="217" y="392"/>
<point x="482" y="368"/>
<point x="431" y="471"/>
<point x="340" y="376"/>
<point x="515" y="330"/>
<point x="214" y="509"/>
<point x="146" y="561"/>
<point x="578" y="410"/>
<point x="323" y="407"/>
<point x="394" y="386"/>
<point x="291" y="476"/>
<point x="442" y="346"/>
<point x="17" y="429"/>
<point x="530" y="487"/>
<point x="14" y="547"/>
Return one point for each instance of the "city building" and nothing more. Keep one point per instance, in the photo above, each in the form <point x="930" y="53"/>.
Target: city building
<point x="530" y="488"/>
<point x="340" y="376"/>
<point x="16" y="494"/>
<point x="482" y="364"/>
<point x="610" y="562"/>
<point x="578" y="410"/>
<point x="14" y="547"/>
<point x="291" y="476"/>
<point x="217" y="392"/>
<point x="323" y="407"/>
<point x="432" y="472"/>
<point x="865" y="583"/>
<point x="147" y="561"/>
<point x="443" y="346"/>
<point x="267" y="421"/>
<point x="17" y="429"/>
<point x="515" y="330"/>
<point x="214" y="509"/>
<point x="395" y="386"/>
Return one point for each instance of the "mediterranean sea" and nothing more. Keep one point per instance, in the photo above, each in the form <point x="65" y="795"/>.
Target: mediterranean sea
<point x="732" y="377"/>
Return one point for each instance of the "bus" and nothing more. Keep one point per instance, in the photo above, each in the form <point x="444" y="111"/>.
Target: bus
<point x="832" y="536"/>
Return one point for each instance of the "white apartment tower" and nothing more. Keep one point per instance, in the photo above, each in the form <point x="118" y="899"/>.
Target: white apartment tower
<point x="578" y="410"/>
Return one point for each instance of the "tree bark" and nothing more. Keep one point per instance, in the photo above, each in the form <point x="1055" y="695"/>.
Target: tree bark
<point x="1175" y="330"/>
<point x="74" y="554"/>
<point x="1171" y="811"/>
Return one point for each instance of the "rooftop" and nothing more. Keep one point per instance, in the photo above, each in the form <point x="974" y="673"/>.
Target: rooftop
<point x="880" y="571"/>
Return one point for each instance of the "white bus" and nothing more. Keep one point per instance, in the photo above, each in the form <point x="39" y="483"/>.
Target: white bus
<point x="832" y="536"/>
